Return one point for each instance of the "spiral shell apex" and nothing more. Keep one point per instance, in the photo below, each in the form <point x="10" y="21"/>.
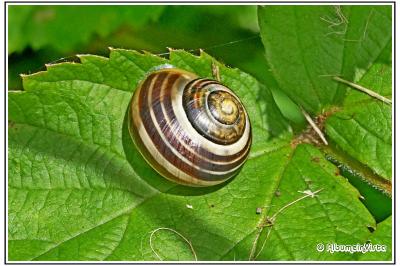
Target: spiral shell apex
<point x="191" y="130"/>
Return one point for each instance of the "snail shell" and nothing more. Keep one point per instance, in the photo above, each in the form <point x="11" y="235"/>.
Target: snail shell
<point x="192" y="131"/>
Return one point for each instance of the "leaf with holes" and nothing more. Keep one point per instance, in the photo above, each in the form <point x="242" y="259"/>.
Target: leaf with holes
<point x="310" y="49"/>
<point x="363" y="128"/>
<point x="381" y="240"/>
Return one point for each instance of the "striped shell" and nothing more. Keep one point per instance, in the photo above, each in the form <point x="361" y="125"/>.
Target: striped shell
<point x="192" y="131"/>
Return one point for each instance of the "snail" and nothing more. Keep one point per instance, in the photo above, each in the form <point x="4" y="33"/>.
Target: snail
<point x="192" y="131"/>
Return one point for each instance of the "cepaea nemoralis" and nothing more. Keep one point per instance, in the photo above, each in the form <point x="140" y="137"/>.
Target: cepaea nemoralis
<point x="192" y="131"/>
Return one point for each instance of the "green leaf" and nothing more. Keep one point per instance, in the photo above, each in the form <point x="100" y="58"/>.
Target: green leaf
<point x="332" y="216"/>
<point x="382" y="236"/>
<point x="363" y="128"/>
<point x="78" y="190"/>
<point x="64" y="28"/>
<point x="307" y="45"/>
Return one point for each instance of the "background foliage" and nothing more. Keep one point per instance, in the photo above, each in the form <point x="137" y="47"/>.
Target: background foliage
<point x="78" y="190"/>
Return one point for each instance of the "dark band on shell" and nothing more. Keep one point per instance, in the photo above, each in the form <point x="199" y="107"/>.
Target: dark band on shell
<point x="192" y="131"/>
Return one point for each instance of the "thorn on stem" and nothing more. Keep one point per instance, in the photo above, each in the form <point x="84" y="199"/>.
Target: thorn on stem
<point x="363" y="89"/>
<point x="314" y="126"/>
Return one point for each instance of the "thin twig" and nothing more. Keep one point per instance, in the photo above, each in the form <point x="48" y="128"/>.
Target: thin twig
<point x="263" y="245"/>
<point x="174" y="231"/>
<point x="272" y="220"/>
<point x="254" y="247"/>
<point x="362" y="38"/>
<point x="341" y="20"/>
<point x="363" y="89"/>
<point x="314" y="126"/>
<point x="293" y="202"/>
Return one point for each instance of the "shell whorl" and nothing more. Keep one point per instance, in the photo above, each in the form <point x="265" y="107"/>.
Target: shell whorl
<point x="214" y="111"/>
<point x="192" y="131"/>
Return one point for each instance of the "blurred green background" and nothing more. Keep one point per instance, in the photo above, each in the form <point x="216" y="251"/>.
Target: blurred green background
<point x="48" y="34"/>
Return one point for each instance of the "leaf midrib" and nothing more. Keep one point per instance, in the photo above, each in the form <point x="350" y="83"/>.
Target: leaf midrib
<point x="303" y="59"/>
<point x="267" y="201"/>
